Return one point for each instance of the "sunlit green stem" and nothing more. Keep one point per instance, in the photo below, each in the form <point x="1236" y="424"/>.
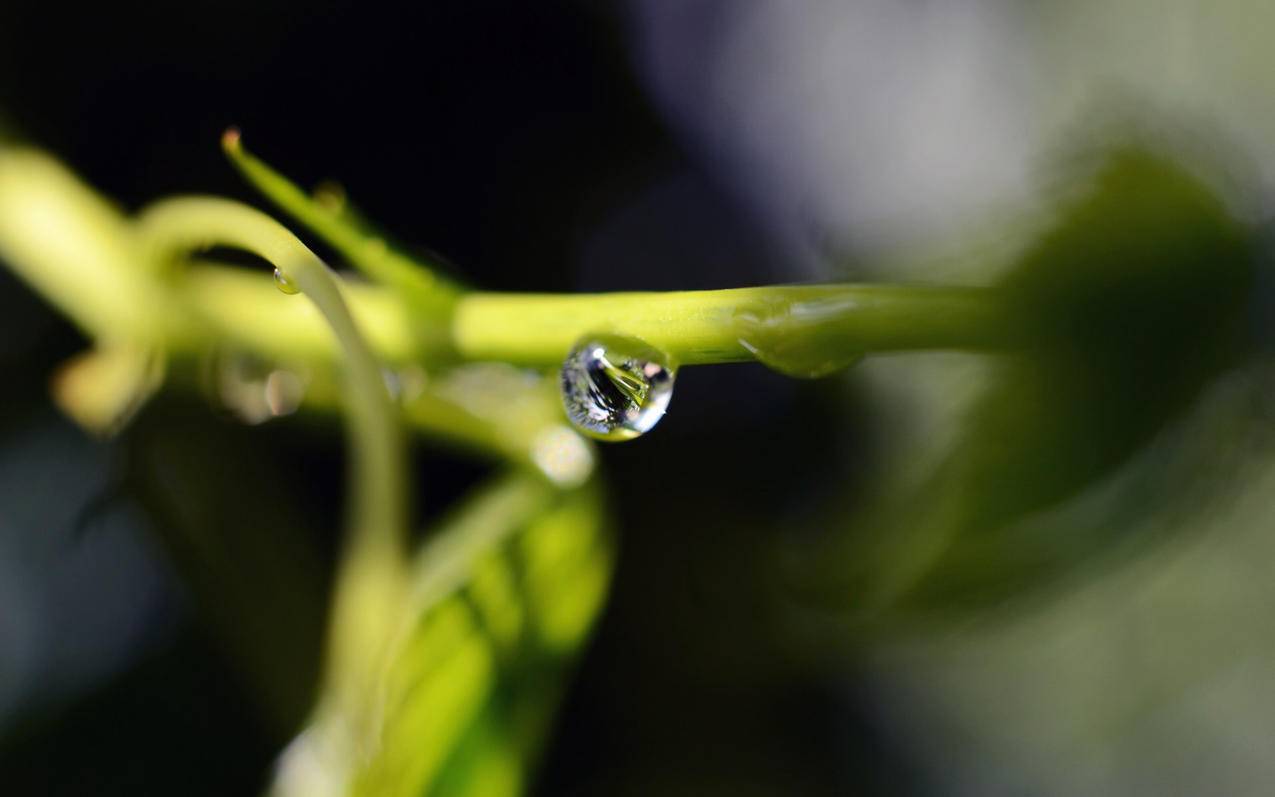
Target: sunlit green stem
<point x="77" y="251"/>
<point x="703" y="327"/>
<point x="244" y="307"/>
<point x="188" y="224"/>
<point x="693" y="327"/>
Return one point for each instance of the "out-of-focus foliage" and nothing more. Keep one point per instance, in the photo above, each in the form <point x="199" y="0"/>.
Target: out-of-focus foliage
<point x="503" y="593"/>
<point x="1121" y="316"/>
<point x="1147" y="678"/>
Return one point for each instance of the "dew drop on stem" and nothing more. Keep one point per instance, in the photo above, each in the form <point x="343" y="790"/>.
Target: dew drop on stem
<point x="284" y="284"/>
<point x="803" y="339"/>
<point x="615" y="387"/>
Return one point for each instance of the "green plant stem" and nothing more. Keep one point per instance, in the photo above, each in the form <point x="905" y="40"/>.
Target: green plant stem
<point x="189" y="224"/>
<point x="84" y="257"/>
<point x="77" y="251"/>
<point x="73" y="248"/>
<point x="243" y="307"/>
<point x="694" y="327"/>
<point x="704" y="327"/>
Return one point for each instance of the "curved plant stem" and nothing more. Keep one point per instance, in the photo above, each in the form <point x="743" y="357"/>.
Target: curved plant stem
<point x="194" y="223"/>
<point x="243" y="306"/>
<point x="694" y="327"/>
<point x="372" y="580"/>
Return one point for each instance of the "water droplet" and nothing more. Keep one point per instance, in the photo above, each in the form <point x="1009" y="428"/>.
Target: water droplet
<point x="803" y="339"/>
<point x="284" y="284"/>
<point x="390" y="377"/>
<point x="411" y="380"/>
<point x="614" y="387"/>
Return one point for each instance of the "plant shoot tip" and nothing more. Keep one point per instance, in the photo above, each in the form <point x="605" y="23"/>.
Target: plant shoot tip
<point x="230" y="140"/>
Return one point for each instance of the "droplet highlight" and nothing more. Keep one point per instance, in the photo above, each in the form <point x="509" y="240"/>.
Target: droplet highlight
<point x="615" y="387"/>
<point x="284" y="284"/>
<point x="252" y="389"/>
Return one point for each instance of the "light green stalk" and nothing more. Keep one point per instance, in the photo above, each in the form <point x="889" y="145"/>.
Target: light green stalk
<point x="692" y="327"/>
<point x="178" y="226"/>
<point x="782" y="324"/>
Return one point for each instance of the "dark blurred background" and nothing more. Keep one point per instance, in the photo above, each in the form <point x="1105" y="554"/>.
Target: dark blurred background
<point x="579" y="146"/>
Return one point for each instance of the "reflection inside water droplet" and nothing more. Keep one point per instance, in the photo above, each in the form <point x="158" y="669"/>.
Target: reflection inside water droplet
<point x="284" y="284"/>
<point x="615" y="387"/>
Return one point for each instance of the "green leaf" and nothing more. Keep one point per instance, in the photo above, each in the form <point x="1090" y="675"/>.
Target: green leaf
<point x="504" y="594"/>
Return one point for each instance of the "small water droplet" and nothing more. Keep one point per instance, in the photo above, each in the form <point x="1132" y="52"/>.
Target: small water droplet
<point x="411" y="381"/>
<point x="390" y="377"/>
<point x="615" y="387"/>
<point x="284" y="284"/>
<point x="797" y="338"/>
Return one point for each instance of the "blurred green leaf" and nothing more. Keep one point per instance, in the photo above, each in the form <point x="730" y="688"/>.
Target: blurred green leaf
<point x="504" y="594"/>
<point x="1127" y="310"/>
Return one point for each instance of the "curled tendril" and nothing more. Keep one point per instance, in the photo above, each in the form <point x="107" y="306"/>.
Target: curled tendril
<point x="373" y="577"/>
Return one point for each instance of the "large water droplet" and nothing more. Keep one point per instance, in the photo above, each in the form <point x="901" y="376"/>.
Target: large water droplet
<point x="798" y="338"/>
<point x="614" y="387"/>
<point x="284" y="284"/>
